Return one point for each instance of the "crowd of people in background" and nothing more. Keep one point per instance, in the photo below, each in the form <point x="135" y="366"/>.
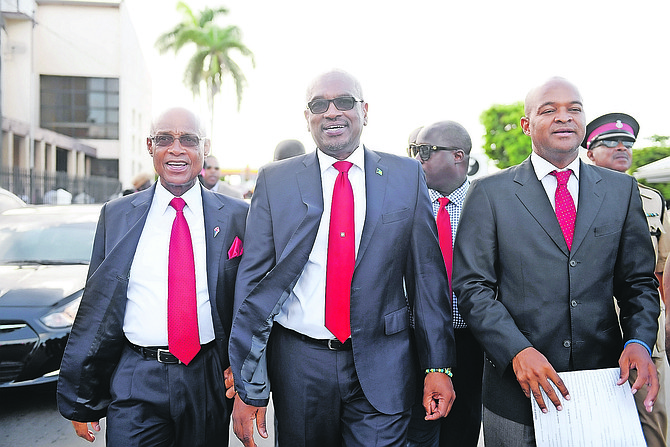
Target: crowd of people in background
<point x="379" y="299"/>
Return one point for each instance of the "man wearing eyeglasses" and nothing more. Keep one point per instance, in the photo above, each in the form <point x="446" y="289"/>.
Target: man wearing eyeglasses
<point x="148" y="348"/>
<point x="211" y="179"/>
<point x="609" y="143"/>
<point x="443" y="149"/>
<point x="336" y="346"/>
<point x="541" y="249"/>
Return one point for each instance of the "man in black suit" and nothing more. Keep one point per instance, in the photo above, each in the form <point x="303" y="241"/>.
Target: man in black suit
<point x="535" y="286"/>
<point x="443" y="148"/>
<point x="334" y="387"/>
<point x="123" y="359"/>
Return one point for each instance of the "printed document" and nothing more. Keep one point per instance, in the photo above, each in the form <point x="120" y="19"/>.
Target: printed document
<point x="598" y="414"/>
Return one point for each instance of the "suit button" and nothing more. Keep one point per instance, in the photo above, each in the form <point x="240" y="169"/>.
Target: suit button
<point x="573" y="263"/>
<point x="566" y="343"/>
<point x="573" y="303"/>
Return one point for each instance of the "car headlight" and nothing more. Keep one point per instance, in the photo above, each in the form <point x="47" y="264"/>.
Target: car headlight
<point x="63" y="316"/>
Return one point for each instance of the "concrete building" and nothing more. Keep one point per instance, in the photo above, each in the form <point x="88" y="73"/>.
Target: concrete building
<point x="76" y="96"/>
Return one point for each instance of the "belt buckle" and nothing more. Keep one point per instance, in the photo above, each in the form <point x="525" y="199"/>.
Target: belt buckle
<point x="165" y="351"/>
<point x="331" y="347"/>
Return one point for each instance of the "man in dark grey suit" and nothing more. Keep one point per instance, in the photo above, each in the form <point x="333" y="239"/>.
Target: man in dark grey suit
<point x="538" y="298"/>
<point x="120" y="360"/>
<point x="357" y="389"/>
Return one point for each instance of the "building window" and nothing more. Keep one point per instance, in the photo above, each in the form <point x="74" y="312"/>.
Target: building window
<point x="80" y="107"/>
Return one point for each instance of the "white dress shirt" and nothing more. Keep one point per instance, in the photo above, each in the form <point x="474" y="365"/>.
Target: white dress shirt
<point x="305" y="309"/>
<point x="145" y="322"/>
<point x="543" y="171"/>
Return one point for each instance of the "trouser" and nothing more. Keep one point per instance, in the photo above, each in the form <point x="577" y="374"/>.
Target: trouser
<point x="168" y="405"/>
<point x="318" y="399"/>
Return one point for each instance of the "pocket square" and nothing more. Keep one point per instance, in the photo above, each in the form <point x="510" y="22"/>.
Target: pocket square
<point x="236" y="248"/>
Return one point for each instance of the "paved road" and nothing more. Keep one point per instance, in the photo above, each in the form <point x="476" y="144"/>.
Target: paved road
<point x="28" y="417"/>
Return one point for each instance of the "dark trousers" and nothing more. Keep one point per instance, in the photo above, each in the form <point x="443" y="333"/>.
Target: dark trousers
<point x="318" y="400"/>
<point x="462" y="425"/>
<point x="154" y="404"/>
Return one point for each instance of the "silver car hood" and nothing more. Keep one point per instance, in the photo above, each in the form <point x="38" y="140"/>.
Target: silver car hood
<point x="39" y="285"/>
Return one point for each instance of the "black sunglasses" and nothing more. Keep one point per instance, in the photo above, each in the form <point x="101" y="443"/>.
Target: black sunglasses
<point x="342" y="103"/>
<point x="167" y="140"/>
<point x="425" y="150"/>
<point x="614" y="143"/>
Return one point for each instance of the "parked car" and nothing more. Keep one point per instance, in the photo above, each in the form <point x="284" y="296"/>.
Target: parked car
<point x="9" y="200"/>
<point x="44" y="257"/>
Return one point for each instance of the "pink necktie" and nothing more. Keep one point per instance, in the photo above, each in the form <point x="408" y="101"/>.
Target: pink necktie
<point x="183" y="336"/>
<point x="565" y="206"/>
<point x="444" y="234"/>
<point x="341" y="255"/>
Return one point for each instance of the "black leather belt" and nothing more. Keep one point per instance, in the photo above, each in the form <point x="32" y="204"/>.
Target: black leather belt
<point x="161" y="353"/>
<point x="331" y="343"/>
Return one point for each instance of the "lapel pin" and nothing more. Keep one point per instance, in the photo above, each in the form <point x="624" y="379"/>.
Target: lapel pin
<point x="216" y="231"/>
<point x="379" y="172"/>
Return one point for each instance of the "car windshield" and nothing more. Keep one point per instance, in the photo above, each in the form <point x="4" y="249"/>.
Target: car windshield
<point x="68" y="243"/>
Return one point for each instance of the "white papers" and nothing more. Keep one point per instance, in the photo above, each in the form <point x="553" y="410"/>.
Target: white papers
<point x="598" y="414"/>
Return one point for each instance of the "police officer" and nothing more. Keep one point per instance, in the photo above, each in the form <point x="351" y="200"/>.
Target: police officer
<point x="609" y="142"/>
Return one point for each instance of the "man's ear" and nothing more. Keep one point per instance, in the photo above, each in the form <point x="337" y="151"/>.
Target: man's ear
<point x="525" y="125"/>
<point x="150" y="146"/>
<point x="208" y="146"/>
<point x="459" y="156"/>
<point x="589" y="154"/>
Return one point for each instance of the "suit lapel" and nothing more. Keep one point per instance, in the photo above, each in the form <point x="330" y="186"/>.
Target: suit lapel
<point x="309" y="186"/>
<point x="375" y="192"/>
<point x="129" y="231"/>
<point x="216" y="226"/>
<point x="591" y="196"/>
<point x="534" y="198"/>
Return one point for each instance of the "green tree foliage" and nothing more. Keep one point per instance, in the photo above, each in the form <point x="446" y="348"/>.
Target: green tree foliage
<point x="505" y="142"/>
<point x="650" y="154"/>
<point x="212" y="60"/>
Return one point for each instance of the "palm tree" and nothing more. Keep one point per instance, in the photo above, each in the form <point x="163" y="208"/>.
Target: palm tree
<point x="212" y="60"/>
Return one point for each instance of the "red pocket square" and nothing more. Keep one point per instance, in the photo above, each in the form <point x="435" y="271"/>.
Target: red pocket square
<point x="236" y="248"/>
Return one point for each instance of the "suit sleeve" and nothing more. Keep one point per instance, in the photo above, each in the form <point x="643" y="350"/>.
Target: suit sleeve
<point x="635" y="286"/>
<point x="82" y="399"/>
<point x="475" y="280"/>
<point x="247" y="351"/>
<point x="428" y="287"/>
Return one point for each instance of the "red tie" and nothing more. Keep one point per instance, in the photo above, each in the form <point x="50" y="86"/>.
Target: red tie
<point x="444" y="233"/>
<point x="565" y="206"/>
<point x="183" y="336"/>
<point x="341" y="255"/>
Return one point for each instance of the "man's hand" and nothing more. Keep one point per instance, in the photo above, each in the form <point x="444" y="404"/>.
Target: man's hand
<point x="636" y="356"/>
<point x="229" y="382"/>
<point x="438" y="395"/>
<point x="243" y="421"/>
<point x="82" y="429"/>
<point x="534" y="372"/>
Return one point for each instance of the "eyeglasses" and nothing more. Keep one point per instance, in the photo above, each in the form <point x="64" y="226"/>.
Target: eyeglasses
<point x="342" y="103"/>
<point x="167" y="140"/>
<point x="614" y="143"/>
<point x="426" y="150"/>
<point x="212" y="167"/>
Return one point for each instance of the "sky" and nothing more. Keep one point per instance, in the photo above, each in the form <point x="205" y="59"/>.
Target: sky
<point x="419" y="62"/>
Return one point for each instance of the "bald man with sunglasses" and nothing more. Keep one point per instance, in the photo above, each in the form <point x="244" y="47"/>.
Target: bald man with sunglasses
<point x="341" y="362"/>
<point x="443" y="149"/>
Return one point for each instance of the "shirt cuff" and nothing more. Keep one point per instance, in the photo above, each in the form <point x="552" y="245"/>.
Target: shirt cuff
<point x="634" y="340"/>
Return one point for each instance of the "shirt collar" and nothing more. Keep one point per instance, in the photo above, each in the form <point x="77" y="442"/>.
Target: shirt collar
<point x="357" y="157"/>
<point x="542" y="167"/>
<point x="456" y="195"/>
<point x="192" y="197"/>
